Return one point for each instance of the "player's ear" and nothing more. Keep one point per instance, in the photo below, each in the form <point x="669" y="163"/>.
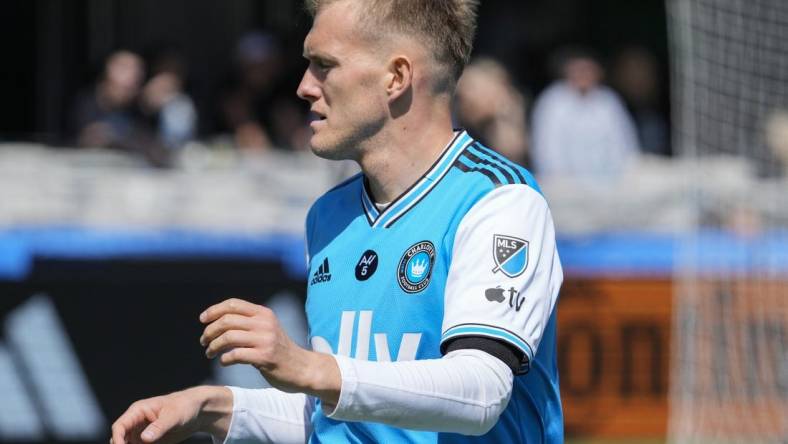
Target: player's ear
<point x="399" y="78"/>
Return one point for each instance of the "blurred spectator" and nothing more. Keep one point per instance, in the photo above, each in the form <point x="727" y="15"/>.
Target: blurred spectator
<point x="491" y="108"/>
<point x="108" y="114"/>
<point x="776" y="135"/>
<point x="636" y="77"/>
<point x="756" y="205"/>
<point x="256" y="109"/>
<point x="580" y="127"/>
<point x="163" y="98"/>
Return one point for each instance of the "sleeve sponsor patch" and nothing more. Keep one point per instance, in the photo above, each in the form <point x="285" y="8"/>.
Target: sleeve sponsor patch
<point x="510" y="255"/>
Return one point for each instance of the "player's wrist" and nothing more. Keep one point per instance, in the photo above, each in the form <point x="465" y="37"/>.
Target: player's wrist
<point x="216" y="410"/>
<point x="321" y="377"/>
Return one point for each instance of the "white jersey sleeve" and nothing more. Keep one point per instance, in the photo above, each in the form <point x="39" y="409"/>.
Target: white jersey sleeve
<point x="269" y="416"/>
<point x="463" y="392"/>
<point x="505" y="272"/>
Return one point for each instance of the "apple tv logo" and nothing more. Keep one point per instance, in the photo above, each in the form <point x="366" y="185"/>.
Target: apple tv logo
<point x="495" y="294"/>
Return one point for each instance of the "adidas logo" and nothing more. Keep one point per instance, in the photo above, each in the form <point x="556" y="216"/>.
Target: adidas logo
<point x="322" y="274"/>
<point x="40" y="374"/>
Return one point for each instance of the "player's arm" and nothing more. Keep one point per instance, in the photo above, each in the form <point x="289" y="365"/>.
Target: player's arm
<point x="463" y="392"/>
<point x="174" y="417"/>
<point x="270" y="415"/>
<point x="240" y="332"/>
<point x="505" y="274"/>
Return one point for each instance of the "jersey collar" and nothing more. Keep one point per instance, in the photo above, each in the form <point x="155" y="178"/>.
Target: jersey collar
<point x="416" y="192"/>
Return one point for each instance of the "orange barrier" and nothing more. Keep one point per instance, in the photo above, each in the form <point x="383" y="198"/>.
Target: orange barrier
<point x="613" y="356"/>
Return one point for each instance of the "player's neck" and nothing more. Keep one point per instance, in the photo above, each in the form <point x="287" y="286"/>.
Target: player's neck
<point x="403" y="156"/>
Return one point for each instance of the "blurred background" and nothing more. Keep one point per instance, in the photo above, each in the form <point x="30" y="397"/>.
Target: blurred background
<point x="154" y="161"/>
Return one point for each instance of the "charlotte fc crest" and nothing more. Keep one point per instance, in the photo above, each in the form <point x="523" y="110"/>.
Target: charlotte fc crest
<point x="415" y="267"/>
<point x="510" y="255"/>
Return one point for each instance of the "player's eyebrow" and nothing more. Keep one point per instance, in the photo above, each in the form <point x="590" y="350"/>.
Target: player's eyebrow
<point x="320" y="57"/>
<point x="312" y="54"/>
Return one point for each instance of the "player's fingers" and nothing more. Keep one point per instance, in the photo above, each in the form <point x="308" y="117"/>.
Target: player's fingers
<point x="237" y="306"/>
<point x="127" y="433"/>
<point x="229" y="340"/>
<point x="125" y="424"/>
<point x="157" y="429"/>
<point x="223" y="324"/>
<point x="239" y="356"/>
<point x="133" y="435"/>
<point x="161" y="423"/>
<point x="118" y="435"/>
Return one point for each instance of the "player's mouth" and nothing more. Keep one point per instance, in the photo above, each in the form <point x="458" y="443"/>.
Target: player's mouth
<point x="316" y="119"/>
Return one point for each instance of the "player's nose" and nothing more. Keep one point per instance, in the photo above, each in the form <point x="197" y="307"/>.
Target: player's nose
<point x="309" y="88"/>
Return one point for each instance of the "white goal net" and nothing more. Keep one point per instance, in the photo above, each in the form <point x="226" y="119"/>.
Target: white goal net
<point x="729" y="372"/>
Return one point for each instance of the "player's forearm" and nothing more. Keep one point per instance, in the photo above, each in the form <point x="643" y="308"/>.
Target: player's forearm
<point x="315" y="374"/>
<point x="216" y="410"/>
<point x="269" y="416"/>
<point x="464" y="392"/>
<point x="272" y="415"/>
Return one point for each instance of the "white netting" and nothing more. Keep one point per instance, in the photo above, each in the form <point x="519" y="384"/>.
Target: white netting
<point x="729" y="379"/>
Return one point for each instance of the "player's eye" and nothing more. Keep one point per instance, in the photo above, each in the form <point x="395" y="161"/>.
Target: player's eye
<point x="322" y="65"/>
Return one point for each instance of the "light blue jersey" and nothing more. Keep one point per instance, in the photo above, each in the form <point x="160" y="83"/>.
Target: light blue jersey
<point x="468" y="250"/>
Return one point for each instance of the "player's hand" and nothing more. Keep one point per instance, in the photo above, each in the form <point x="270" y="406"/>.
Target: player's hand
<point x="239" y="332"/>
<point x="174" y="417"/>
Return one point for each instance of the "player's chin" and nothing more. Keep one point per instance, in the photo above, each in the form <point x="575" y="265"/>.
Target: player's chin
<point x="324" y="147"/>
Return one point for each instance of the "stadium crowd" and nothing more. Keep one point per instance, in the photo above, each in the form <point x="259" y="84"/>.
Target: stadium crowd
<point x="585" y="122"/>
<point x="595" y="121"/>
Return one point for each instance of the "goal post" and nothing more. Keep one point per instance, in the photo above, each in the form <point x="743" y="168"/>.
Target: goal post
<point x="729" y="371"/>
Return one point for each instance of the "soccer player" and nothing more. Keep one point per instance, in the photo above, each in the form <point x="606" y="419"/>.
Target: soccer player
<point x="433" y="274"/>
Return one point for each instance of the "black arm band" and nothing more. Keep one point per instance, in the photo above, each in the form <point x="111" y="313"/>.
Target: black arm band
<point x="508" y="354"/>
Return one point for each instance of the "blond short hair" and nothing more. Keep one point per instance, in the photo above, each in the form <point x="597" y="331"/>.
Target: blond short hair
<point x="447" y="26"/>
